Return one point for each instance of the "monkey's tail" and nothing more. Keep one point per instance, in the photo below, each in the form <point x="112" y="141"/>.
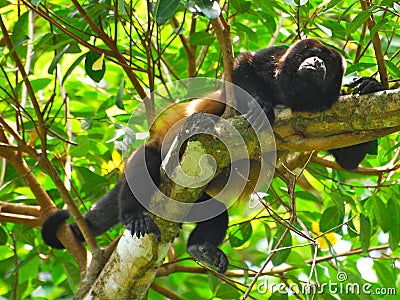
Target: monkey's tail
<point x="51" y="226"/>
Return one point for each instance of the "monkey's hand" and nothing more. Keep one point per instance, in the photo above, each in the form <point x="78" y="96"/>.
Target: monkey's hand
<point x="210" y="254"/>
<point x="365" y="85"/>
<point x="141" y="223"/>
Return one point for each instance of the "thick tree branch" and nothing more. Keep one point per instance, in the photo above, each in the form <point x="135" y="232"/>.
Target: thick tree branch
<point x="354" y="119"/>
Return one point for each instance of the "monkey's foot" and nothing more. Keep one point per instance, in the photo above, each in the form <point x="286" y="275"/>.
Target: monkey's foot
<point x="256" y="117"/>
<point x="211" y="255"/>
<point x="140" y="224"/>
<point x="365" y="85"/>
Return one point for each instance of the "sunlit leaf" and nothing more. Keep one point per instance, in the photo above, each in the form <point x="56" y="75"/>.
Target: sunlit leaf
<point x="241" y="6"/>
<point x="359" y="20"/>
<point x="3" y="236"/>
<point x="201" y="38"/>
<point x="165" y="9"/>
<point x="365" y="232"/>
<point x="382" y="214"/>
<point x="56" y="59"/>
<point x="119" y="98"/>
<point x="72" y="67"/>
<point x="281" y="255"/>
<point x="330" y="218"/>
<point x="386" y="276"/>
<point x="98" y="63"/>
<point x="209" y="8"/>
<point x="242" y="235"/>
<point x="393" y="206"/>
<point x="96" y="74"/>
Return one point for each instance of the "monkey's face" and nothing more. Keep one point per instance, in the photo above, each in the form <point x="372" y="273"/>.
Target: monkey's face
<point x="309" y="76"/>
<point x="313" y="69"/>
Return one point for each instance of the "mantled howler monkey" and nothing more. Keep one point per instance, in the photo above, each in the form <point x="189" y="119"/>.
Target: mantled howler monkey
<point x="305" y="77"/>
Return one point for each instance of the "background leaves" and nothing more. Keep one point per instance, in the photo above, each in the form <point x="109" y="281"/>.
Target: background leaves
<point x="88" y="109"/>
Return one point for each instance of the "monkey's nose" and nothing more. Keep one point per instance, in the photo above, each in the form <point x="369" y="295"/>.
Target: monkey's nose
<point x="314" y="64"/>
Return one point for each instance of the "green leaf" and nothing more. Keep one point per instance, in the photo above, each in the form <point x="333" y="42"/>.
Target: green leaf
<point x="91" y="59"/>
<point x="241" y="6"/>
<point x="374" y="148"/>
<point x="243" y="28"/>
<point x="278" y="295"/>
<point x="40" y="83"/>
<point x="83" y="147"/>
<point x="165" y="9"/>
<point x="330" y="218"/>
<point x="72" y="274"/>
<point x="393" y="207"/>
<point x="3" y="236"/>
<point x="227" y="291"/>
<point x="333" y="3"/>
<point x="268" y="232"/>
<point x="365" y="232"/>
<point x="337" y="198"/>
<point x="385" y="275"/>
<point x="91" y="182"/>
<point x="72" y="67"/>
<point x="19" y="32"/>
<point x="4" y="3"/>
<point x="56" y="59"/>
<point x="393" y="68"/>
<point x="359" y="67"/>
<point x="121" y="8"/>
<point x="378" y="26"/>
<point x="209" y="8"/>
<point x="118" y="99"/>
<point x="280" y="256"/>
<point x="382" y="214"/>
<point x="109" y="102"/>
<point x="388" y="3"/>
<point x="296" y="260"/>
<point x="201" y="38"/>
<point x="352" y="229"/>
<point x="242" y="236"/>
<point x="359" y="20"/>
<point x="307" y="196"/>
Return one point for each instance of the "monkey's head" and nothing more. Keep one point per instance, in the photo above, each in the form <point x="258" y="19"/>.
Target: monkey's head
<point x="310" y="75"/>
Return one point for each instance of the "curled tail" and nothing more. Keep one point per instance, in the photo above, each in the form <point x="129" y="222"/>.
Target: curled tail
<point x="103" y="216"/>
<point x="51" y="226"/>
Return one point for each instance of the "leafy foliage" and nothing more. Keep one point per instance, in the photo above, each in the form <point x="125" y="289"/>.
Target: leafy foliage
<point x="87" y="82"/>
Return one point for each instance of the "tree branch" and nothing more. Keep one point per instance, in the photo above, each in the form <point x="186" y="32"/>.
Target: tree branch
<point x="352" y="120"/>
<point x="372" y="116"/>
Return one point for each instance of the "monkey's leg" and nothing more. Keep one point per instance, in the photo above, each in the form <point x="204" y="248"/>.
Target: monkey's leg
<point x="207" y="236"/>
<point x="142" y="176"/>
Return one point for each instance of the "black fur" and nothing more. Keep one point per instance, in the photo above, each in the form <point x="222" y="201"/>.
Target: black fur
<point x="306" y="77"/>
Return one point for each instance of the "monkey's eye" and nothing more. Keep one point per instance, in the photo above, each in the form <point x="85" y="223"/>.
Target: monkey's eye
<point x="309" y="52"/>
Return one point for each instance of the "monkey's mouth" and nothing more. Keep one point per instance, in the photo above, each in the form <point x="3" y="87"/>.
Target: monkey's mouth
<point x="313" y="67"/>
